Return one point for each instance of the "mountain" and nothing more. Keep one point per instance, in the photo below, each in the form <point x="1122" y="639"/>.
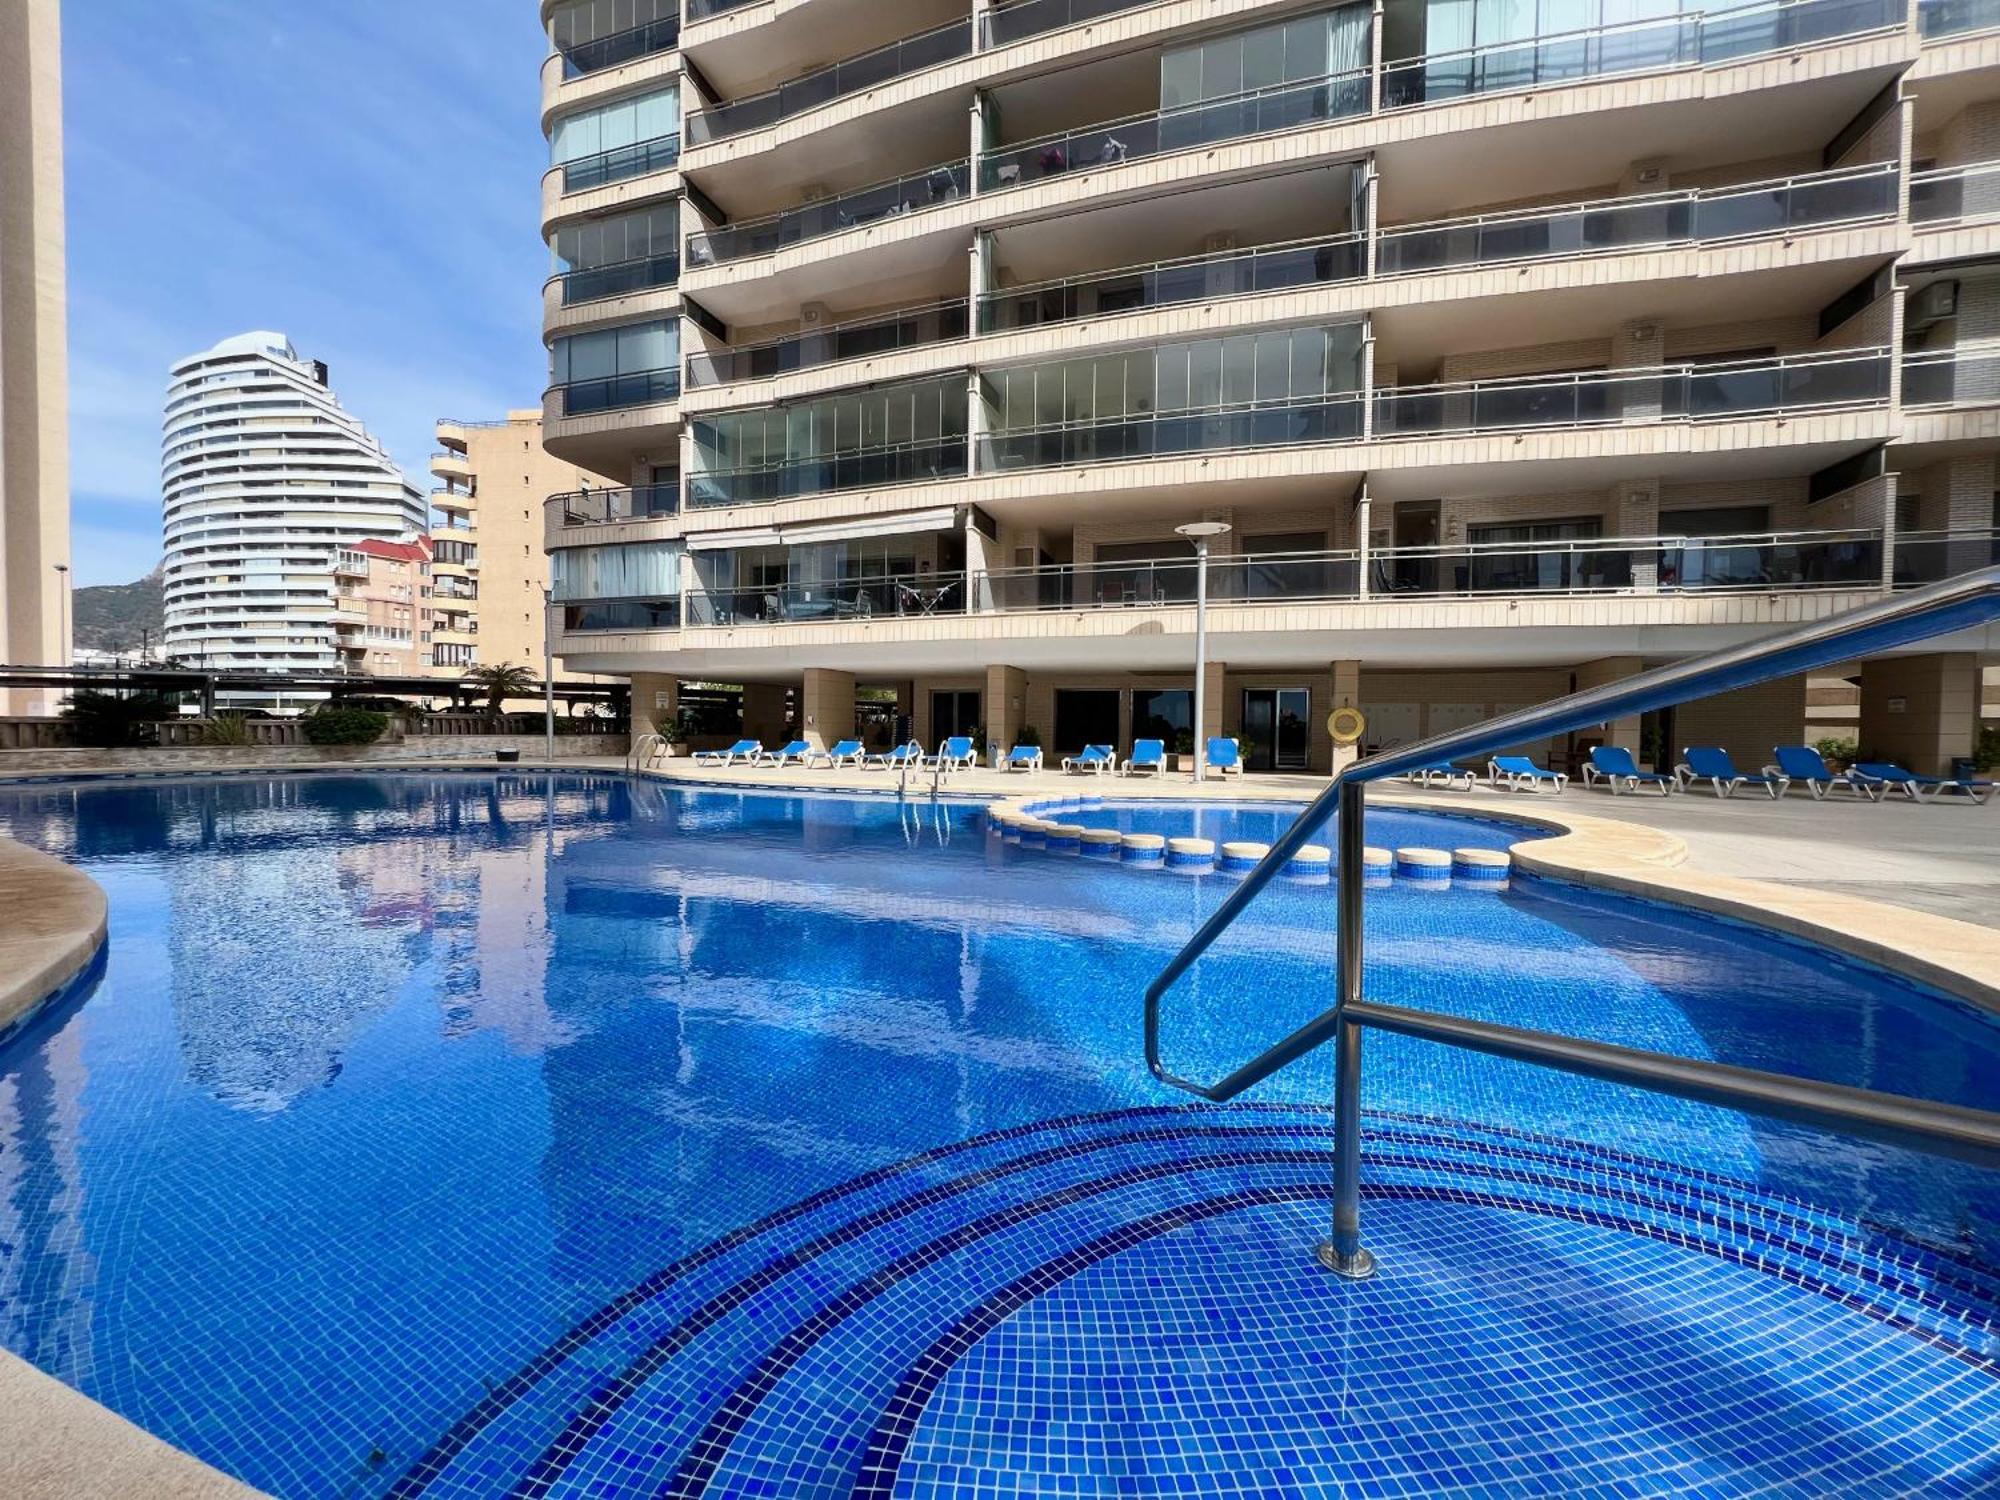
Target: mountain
<point x="111" y="616"/>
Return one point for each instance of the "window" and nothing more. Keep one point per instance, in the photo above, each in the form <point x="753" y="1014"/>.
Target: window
<point x="637" y="570"/>
<point x="1297" y="51"/>
<point x="877" y="436"/>
<point x="619" y="238"/>
<point x="591" y="132"/>
<point x="616" y="351"/>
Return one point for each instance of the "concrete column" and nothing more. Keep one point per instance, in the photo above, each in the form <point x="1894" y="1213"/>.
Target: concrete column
<point x="1920" y="711"/>
<point x="1623" y="733"/>
<point x="827" y="707"/>
<point x="1747" y="722"/>
<point x="1636" y="512"/>
<point x="764" y="711"/>
<point x="656" y="703"/>
<point x="1346" y="694"/>
<point x="1640" y="345"/>
<point x="1007" y="706"/>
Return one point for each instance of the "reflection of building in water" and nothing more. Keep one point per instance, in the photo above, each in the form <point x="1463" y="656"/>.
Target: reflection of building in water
<point x="46" y="1273"/>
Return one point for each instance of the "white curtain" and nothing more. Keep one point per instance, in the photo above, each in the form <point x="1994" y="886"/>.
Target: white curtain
<point x="636" y="570"/>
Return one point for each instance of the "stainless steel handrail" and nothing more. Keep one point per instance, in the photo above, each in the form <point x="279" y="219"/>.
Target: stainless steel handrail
<point x="1970" y="600"/>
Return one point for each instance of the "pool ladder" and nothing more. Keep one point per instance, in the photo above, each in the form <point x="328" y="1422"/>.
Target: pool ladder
<point x="1971" y="1135"/>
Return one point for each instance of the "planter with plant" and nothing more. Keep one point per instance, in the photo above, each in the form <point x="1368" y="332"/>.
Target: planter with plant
<point x="343" y="726"/>
<point x="227" y="729"/>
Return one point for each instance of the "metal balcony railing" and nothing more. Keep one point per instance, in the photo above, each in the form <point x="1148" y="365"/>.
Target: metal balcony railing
<point x="593" y="283"/>
<point x="1166" y="283"/>
<point x="1817" y="200"/>
<point x="1966" y="374"/>
<point x="1688" y="39"/>
<point x="621" y="163"/>
<point x="1285" y="106"/>
<point x="1916" y="1124"/>
<point x="906" y="463"/>
<point x="611" y="392"/>
<point x="1955" y="195"/>
<point x="600" y="507"/>
<point x="867" y="70"/>
<point x="946" y="182"/>
<point x="1941" y="18"/>
<point x="1029" y="18"/>
<point x="1333" y="418"/>
<point x="662" y="34"/>
<point x="621" y="614"/>
<point x="885" y="594"/>
<point x="910" y="328"/>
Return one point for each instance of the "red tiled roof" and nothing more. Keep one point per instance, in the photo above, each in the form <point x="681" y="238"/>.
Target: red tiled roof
<point x="401" y="551"/>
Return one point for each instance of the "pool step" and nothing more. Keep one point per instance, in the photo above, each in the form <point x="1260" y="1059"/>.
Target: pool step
<point x="817" y="1338"/>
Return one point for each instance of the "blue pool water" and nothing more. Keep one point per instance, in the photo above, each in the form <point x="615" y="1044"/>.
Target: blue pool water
<point x="1263" y="822"/>
<point x="470" y="1135"/>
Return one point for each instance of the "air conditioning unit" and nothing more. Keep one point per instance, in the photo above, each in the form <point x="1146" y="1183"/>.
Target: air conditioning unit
<point x="1937" y="301"/>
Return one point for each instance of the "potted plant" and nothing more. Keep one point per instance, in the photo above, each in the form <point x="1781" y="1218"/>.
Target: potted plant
<point x="1183" y="750"/>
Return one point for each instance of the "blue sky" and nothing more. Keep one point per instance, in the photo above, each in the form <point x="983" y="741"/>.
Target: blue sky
<point x="361" y="174"/>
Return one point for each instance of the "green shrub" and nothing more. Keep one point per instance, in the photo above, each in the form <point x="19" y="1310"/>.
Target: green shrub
<point x="111" y="721"/>
<point x="227" y="729"/>
<point x="1986" y="748"/>
<point x="1836" y="748"/>
<point x="1028" y="735"/>
<point x="1183" y="742"/>
<point x="344" y="726"/>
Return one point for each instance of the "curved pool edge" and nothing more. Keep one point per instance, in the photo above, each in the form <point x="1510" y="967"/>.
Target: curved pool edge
<point x="56" y="923"/>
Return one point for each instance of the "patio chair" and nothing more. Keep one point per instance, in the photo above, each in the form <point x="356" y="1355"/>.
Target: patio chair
<point x="1805" y="766"/>
<point x="796" y="751"/>
<point x="1023" y="758"/>
<point x="746" y="751"/>
<point x="902" y="755"/>
<point x="1094" y="761"/>
<point x="1224" y="758"/>
<point x="1519" y="774"/>
<point x="955" y="754"/>
<point x="1444" y="773"/>
<point x="1614" y="765"/>
<point x="1147" y="755"/>
<point x="1711" y="763"/>
<point x="846" y="752"/>
<point x="1888" y="776"/>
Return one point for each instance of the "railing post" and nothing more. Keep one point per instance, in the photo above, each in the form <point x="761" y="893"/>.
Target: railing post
<point x="1343" y="1254"/>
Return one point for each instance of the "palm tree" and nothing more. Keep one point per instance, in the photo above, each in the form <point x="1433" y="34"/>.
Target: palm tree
<point x="500" y="683"/>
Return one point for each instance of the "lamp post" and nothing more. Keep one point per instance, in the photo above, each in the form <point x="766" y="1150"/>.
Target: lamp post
<point x="548" y="685"/>
<point x="1200" y="533"/>
<point x="62" y="614"/>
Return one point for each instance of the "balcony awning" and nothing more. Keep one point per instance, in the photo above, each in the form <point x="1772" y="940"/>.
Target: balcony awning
<point x="944" y="518"/>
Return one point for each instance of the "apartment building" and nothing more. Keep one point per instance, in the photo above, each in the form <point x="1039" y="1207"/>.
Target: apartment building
<point x="1517" y="346"/>
<point x="383" y="617"/>
<point x="267" y="481"/>
<point x="489" y="567"/>
<point x="34" y="407"/>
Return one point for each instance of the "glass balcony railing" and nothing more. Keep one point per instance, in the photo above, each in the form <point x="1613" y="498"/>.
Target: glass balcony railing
<point x="1273" y="577"/>
<point x="1028" y="18"/>
<point x="1933" y="556"/>
<point x="939" y="323"/>
<point x="702" y="10"/>
<point x="888" y="594"/>
<point x="1675" y="392"/>
<point x="945" y="183"/>
<point x="610" y="392"/>
<point x="1281" y="107"/>
<point x="1327" y="419"/>
<point x="851" y="75"/>
<point x="600" y="507"/>
<point x="1690" y="39"/>
<point x="594" y="283"/>
<point x="1101" y="294"/>
<point x="622" y="614"/>
<point x="1695" y="216"/>
<point x="1937" y="18"/>
<point x="909" y="463"/>
<point x="608" y="51"/>
<point x="1966" y="374"/>
<point x="1955" y="195"/>
<point x="636" y="160"/>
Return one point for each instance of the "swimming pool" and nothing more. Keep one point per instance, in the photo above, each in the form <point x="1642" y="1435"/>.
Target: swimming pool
<point x="1263" y="822"/>
<point x="475" y="1135"/>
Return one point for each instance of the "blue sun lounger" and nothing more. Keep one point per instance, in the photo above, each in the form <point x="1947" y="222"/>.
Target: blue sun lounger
<point x="910" y="754"/>
<point x="955" y="754"/>
<point x="1887" y="776"/>
<point x="797" y="750"/>
<point x="1023" y="758"/>
<point x="1711" y="763"/>
<point x="1805" y="766"/>
<point x="1444" y="773"/>
<point x="1147" y="755"/>
<point x="1094" y="761"/>
<point x="1520" y="774"/>
<point x="1613" y="765"/>
<point x="745" y="751"/>
<point x="1223" y="756"/>
<point x="847" y="752"/>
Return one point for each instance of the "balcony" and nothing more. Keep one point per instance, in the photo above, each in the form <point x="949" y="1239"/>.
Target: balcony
<point x="1330" y="419"/>
<point x="1818" y="200"/>
<point x="883" y="333"/>
<point x="1943" y="18"/>
<point x="612" y="392"/>
<point x="1691" y="393"/>
<point x="1681" y="41"/>
<point x="1285" y="106"/>
<point x="1933" y="556"/>
<point x="1946" y="196"/>
<point x="622" y="614"/>
<point x="1966" y="374"/>
<point x="702" y="10"/>
<point x="946" y="182"/>
<point x="884" y="595"/>
<point x="604" y="507"/>
<point x="1200" y="278"/>
<point x="869" y="468"/>
<point x="1031" y="18"/>
<point x="594" y="283"/>
<point x="851" y="75"/>
<point x="620" y="163"/>
<point x="608" y="51"/>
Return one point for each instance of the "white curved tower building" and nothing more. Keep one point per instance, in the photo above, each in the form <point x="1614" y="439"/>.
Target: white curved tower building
<point x="265" y="480"/>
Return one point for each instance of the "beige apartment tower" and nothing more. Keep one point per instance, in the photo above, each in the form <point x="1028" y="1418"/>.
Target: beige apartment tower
<point x="1519" y="347"/>
<point x="34" y="365"/>
<point x="488" y="566"/>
